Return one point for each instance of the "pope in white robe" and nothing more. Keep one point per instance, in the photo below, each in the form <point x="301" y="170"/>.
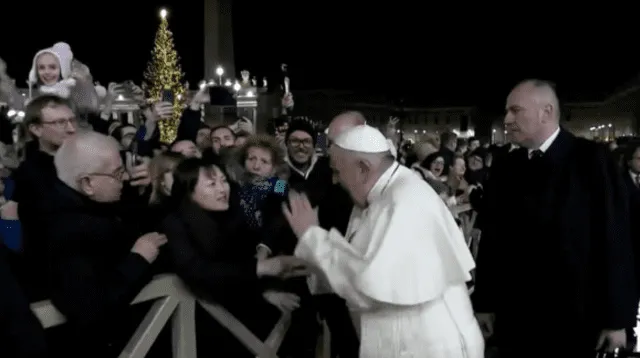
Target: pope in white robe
<point x="403" y="265"/>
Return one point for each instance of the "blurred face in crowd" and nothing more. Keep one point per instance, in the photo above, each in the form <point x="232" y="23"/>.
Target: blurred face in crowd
<point x="530" y="112"/>
<point x="166" y="183"/>
<point x="634" y="163"/>
<point x="462" y="149"/>
<point x="281" y="131"/>
<point x="57" y="123"/>
<point x="452" y="144"/>
<point x="300" y="147"/>
<point x="113" y="126"/>
<point x="474" y="144"/>
<point x="48" y="69"/>
<point x="203" y="138"/>
<point x="613" y="145"/>
<point x="240" y="140"/>
<point x="437" y="166"/>
<point x="475" y="163"/>
<point x="15" y="134"/>
<point x="212" y="190"/>
<point x="186" y="148"/>
<point x="222" y="138"/>
<point x="128" y="133"/>
<point x="458" y="168"/>
<point x="259" y="162"/>
<point x="424" y="150"/>
<point x="105" y="185"/>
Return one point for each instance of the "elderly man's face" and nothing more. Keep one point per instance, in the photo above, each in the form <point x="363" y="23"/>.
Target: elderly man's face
<point x="524" y="116"/>
<point x="348" y="174"/>
<point x="105" y="185"/>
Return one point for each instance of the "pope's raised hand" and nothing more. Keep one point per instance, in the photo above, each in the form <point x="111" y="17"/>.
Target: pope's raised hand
<point x="300" y="215"/>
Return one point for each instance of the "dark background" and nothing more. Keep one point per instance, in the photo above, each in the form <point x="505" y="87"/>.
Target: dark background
<point x="425" y="54"/>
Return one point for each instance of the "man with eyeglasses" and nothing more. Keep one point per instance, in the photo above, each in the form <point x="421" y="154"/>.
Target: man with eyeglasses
<point x="49" y="121"/>
<point x="98" y="257"/>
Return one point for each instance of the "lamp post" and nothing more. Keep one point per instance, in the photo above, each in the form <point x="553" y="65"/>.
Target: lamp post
<point x="219" y="73"/>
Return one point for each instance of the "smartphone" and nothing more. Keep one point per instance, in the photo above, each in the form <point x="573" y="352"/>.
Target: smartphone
<point x="167" y="96"/>
<point x="135" y="158"/>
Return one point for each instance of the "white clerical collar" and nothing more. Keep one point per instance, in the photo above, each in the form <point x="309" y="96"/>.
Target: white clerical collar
<point x="383" y="182"/>
<point x="547" y="143"/>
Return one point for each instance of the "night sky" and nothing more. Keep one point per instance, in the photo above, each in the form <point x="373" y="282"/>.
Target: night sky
<point x="427" y="56"/>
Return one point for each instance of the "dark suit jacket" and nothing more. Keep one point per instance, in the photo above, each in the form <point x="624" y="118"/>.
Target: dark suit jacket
<point x="555" y="249"/>
<point x="92" y="274"/>
<point x="21" y="335"/>
<point x="634" y="212"/>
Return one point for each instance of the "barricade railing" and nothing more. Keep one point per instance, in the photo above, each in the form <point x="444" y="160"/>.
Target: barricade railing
<point x="174" y="301"/>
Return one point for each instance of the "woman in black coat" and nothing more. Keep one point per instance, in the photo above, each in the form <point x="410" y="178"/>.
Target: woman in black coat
<point x="210" y="248"/>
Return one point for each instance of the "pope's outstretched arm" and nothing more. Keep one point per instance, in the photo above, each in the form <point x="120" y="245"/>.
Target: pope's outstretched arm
<point x="400" y="260"/>
<point x="338" y="261"/>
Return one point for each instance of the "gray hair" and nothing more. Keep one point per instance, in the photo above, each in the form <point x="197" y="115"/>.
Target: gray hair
<point x="547" y="90"/>
<point x="84" y="153"/>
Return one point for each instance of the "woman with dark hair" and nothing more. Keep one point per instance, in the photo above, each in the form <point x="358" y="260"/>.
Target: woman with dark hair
<point x="210" y="248"/>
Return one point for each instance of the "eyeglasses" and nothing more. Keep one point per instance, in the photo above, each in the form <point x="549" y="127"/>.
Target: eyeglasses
<point x="62" y="122"/>
<point x="118" y="175"/>
<point x="298" y="142"/>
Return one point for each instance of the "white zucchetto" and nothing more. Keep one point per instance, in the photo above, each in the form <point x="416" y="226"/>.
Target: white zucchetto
<point x="363" y="139"/>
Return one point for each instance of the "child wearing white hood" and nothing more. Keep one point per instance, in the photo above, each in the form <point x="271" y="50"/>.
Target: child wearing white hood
<point x="55" y="71"/>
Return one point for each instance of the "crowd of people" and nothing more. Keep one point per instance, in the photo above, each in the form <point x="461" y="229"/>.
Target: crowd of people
<point x="365" y="237"/>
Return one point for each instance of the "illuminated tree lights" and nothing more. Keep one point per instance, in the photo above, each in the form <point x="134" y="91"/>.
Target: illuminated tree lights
<point x="165" y="74"/>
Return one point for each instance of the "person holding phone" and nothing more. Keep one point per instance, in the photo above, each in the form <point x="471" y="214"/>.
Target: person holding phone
<point x="191" y="127"/>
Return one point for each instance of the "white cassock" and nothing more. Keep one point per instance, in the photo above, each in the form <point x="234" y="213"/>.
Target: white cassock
<point x="403" y="267"/>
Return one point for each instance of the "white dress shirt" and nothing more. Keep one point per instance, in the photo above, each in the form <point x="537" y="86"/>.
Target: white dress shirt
<point x="546" y="144"/>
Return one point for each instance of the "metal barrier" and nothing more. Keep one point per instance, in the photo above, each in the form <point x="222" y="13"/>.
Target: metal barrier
<point x="174" y="301"/>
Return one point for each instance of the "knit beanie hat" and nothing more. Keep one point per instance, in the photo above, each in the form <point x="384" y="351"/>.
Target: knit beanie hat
<point x="304" y="126"/>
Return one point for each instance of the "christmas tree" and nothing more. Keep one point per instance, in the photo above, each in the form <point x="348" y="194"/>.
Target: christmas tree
<point x="164" y="74"/>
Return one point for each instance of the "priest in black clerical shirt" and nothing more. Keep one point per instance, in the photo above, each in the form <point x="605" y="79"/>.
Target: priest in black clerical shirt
<point x="555" y="267"/>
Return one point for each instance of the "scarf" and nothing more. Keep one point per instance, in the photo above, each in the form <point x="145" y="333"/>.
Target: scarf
<point x="252" y="197"/>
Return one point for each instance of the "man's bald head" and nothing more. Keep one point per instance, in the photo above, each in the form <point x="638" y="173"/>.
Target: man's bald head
<point x="532" y="113"/>
<point x="344" y="121"/>
<point x="84" y="153"/>
<point x="541" y="93"/>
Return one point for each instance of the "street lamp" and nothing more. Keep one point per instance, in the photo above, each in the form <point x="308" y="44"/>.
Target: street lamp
<point x="163" y="14"/>
<point x="219" y="72"/>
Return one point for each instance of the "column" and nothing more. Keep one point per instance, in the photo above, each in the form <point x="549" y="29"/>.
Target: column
<point x="218" y="38"/>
